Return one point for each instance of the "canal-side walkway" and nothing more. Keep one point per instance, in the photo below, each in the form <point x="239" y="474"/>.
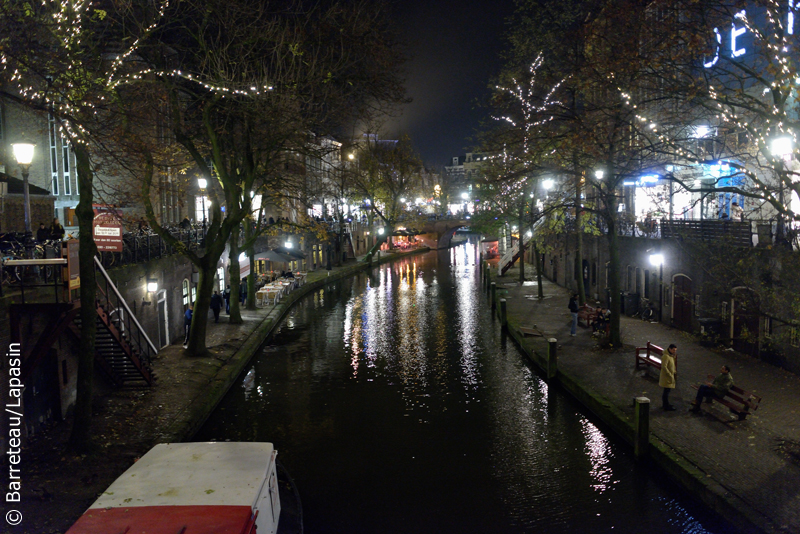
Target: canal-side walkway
<point x="749" y="470"/>
<point x="58" y="487"/>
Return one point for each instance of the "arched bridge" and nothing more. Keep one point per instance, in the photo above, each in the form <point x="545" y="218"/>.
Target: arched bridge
<point x="437" y="234"/>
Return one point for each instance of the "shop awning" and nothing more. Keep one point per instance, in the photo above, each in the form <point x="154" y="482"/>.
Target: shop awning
<point x="271" y="255"/>
<point x="295" y="255"/>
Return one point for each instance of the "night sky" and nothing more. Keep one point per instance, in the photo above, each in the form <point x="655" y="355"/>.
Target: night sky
<point x="455" y="47"/>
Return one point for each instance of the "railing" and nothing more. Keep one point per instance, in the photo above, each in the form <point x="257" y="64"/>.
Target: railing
<point x="512" y="253"/>
<point x="140" y="248"/>
<point x="111" y="300"/>
<point x="736" y="232"/>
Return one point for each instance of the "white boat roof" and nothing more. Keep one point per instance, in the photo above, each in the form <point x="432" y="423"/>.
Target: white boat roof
<point x="185" y="474"/>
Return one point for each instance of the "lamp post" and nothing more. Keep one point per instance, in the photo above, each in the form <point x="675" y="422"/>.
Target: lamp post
<point x="658" y="259"/>
<point x="23" y="153"/>
<point x="202" y="182"/>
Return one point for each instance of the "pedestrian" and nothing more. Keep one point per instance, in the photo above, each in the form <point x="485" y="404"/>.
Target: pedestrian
<point x="243" y="291"/>
<point x="42" y="234"/>
<point x="716" y="389"/>
<point x="185" y="224"/>
<point x="216" y="305"/>
<point x="143" y="226"/>
<point x="573" y="309"/>
<point x="226" y="296"/>
<point x="187" y="324"/>
<point x="56" y="230"/>
<point x="668" y="374"/>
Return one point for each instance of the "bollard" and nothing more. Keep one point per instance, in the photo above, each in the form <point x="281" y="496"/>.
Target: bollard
<point x="493" y="293"/>
<point x="503" y="313"/>
<point x="641" y="424"/>
<point x="552" y="358"/>
<point x="488" y="282"/>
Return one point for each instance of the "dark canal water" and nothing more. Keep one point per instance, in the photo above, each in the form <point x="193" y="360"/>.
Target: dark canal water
<point x="398" y="407"/>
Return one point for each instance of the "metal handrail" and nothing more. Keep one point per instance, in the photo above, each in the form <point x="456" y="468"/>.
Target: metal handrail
<point x="129" y="315"/>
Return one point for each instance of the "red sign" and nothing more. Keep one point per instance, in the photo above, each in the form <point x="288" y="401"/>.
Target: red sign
<point x="107" y="232"/>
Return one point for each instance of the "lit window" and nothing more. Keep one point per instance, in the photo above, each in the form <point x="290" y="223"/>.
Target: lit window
<point x="186" y="292"/>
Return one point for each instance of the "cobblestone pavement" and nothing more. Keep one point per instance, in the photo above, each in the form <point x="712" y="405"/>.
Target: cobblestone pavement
<point x="754" y="465"/>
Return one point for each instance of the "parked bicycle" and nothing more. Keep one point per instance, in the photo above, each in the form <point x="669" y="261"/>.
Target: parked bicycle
<point x="646" y="310"/>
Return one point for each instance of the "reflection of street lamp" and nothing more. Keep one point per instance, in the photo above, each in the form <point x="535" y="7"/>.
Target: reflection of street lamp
<point x="658" y="259"/>
<point x="781" y="148"/>
<point x="23" y="153"/>
<point x="202" y="182"/>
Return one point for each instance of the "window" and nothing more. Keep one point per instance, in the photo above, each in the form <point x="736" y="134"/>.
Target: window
<point x="185" y="292"/>
<point x="194" y="294"/>
<point x="723" y="311"/>
<point x="221" y="277"/>
<point x="53" y="131"/>
<point x="767" y="327"/>
<point x="65" y="154"/>
<point x="202" y="204"/>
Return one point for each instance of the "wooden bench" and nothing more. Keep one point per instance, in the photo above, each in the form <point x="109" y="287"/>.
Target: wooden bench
<point x="586" y="313"/>
<point x="650" y="355"/>
<point x="738" y="401"/>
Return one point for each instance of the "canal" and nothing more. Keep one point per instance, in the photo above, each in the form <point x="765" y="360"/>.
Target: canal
<point x="398" y="406"/>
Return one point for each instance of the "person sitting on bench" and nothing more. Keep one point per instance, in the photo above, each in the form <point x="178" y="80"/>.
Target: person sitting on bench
<point x="716" y="389"/>
<point x="601" y="320"/>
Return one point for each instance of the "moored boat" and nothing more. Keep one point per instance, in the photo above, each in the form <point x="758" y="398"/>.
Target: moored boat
<point x="191" y="488"/>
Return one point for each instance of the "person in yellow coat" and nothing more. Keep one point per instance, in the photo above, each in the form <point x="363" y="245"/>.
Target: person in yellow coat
<point x="667" y="378"/>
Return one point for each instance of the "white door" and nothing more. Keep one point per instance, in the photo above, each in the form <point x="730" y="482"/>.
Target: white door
<point x="163" y="319"/>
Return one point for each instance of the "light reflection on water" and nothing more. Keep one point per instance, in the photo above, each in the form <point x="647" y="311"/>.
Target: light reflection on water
<point x="398" y="406"/>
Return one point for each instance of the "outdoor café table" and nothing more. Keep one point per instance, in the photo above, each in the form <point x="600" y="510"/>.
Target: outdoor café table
<point x="288" y="283"/>
<point x="273" y="293"/>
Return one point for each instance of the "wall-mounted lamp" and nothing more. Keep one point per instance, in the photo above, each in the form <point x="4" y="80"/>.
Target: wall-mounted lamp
<point x="288" y="244"/>
<point x="152" y="287"/>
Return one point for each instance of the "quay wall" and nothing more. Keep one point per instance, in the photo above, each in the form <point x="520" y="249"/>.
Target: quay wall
<point x="670" y="461"/>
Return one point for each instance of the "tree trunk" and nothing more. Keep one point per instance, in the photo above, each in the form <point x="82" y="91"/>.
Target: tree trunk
<point x="251" y="277"/>
<point x="615" y="336"/>
<point x="197" y="336"/>
<point x="579" y="240"/>
<point x="539" y="261"/>
<point x="80" y="438"/>
<point x="521" y="245"/>
<point x="236" y="312"/>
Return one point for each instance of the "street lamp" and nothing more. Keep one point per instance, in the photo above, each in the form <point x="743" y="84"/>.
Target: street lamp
<point x="23" y="153"/>
<point x="202" y="183"/>
<point x="658" y="259"/>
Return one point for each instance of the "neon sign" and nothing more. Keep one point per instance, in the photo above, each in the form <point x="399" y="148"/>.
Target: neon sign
<point x="738" y="36"/>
